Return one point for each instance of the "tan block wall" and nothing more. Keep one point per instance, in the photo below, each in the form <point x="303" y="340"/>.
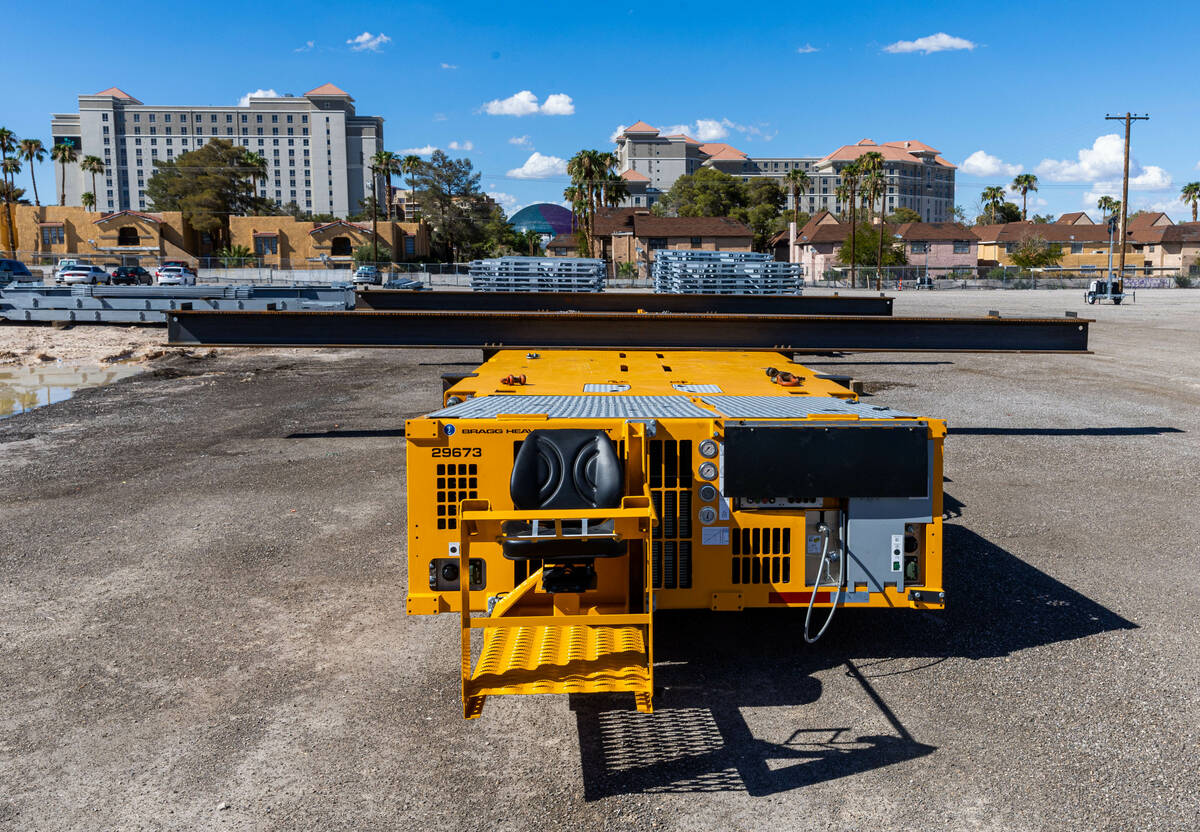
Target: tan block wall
<point x="170" y="239"/>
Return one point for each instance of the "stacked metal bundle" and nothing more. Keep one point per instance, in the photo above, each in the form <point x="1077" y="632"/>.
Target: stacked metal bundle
<point x="690" y="272"/>
<point x="538" y="274"/>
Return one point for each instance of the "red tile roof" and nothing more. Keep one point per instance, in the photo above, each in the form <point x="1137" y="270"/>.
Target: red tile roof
<point x="1075" y="218"/>
<point x="640" y="127"/>
<point x="115" y="93"/>
<point x="632" y="175"/>
<point x="720" y="151"/>
<point x="913" y="146"/>
<point x="683" y="136"/>
<point x="645" y="225"/>
<point x="327" y="89"/>
<point x="1148" y="219"/>
<point x="890" y="151"/>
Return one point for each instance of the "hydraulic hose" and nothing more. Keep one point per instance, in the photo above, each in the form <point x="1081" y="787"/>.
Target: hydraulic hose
<point x="823" y="569"/>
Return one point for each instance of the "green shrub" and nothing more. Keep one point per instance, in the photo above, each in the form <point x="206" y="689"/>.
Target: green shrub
<point x="1183" y="281"/>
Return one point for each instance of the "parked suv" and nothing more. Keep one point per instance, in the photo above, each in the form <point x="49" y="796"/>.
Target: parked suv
<point x="131" y="276"/>
<point x="14" y="271"/>
<point x="83" y="274"/>
<point x="367" y="274"/>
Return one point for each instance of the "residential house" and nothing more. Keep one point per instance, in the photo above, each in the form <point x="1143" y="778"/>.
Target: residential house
<point x="632" y="235"/>
<point x="940" y="247"/>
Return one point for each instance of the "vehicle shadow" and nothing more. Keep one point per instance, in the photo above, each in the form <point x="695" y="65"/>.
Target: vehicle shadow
<point x="710" y="666"/>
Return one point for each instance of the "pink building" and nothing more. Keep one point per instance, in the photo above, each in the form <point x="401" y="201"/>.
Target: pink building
<point x="943" y="247"/>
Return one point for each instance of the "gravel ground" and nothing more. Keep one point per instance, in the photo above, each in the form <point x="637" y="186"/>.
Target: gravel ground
<point x="202" y="609"/>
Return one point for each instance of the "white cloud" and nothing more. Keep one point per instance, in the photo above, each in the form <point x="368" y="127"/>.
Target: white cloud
<point x="1102" y="164"/>
<point x="418" y="151"/>
<point x="558" y="104"/>
<point x="620" y="129"/>
<point x="368" y="42"/>
<point x="461" y="146"/>
<point x="709" y="130"/>
<point x="506" y="201"/>
<point x="538" y="166"/>
<point x="1152" y="178"/>
<point x="244" y="101"/>
<point x="981" y="163"/>
<point x="439" y="116"/>
<point x="449" y="66"/>
<point x="1103" y="160"/>
<point x="307" y="47"/>
<point x="806" y="49"/>
<point x="522" y="141"/>
<point x="941" y="42"/>
<point x="525" y="103"/>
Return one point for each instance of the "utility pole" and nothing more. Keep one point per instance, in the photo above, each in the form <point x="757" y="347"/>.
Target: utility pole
<point x="1128" y="118"/>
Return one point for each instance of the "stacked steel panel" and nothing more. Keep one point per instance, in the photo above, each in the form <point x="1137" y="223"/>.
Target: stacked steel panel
<point x="538" y="274"/>
<point x="691" y="272"/>
<point x="150" y="304"/>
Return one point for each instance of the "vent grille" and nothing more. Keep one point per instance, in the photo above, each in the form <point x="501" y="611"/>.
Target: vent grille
<point x="766" y="570"/>
<point x="455" y="482"/>
<point x="670" y="473"/>
<point x="772" y="544"/>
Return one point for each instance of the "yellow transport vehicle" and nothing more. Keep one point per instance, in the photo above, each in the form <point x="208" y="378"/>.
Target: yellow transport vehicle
<point x="561" y="497"/>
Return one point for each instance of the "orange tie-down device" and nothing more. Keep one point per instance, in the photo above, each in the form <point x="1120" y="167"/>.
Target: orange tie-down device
<point x="560" y="498"/>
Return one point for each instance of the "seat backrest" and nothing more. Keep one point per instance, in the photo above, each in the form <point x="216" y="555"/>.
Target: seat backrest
<point x="567" y="469"/>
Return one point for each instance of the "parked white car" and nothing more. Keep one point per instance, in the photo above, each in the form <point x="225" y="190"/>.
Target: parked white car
<point x="83" y="274"/>
<point x="67" y="263"/>
<point x="174" y="276"/>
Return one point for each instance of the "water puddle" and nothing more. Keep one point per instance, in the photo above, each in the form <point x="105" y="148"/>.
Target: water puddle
<point x="24" y="388"/>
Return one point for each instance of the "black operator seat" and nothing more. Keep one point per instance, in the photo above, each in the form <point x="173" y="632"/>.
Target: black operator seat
<point x="569" y="470"/>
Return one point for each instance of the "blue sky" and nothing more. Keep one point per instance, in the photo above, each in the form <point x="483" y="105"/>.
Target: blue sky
<point x="1020" y="87"/>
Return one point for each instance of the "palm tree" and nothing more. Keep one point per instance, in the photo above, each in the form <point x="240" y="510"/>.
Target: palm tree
<point x="869" y="165"/>
<point x="376" y="160"/>
<point x="410" y="166"/>
<point x="613" y="190"/>
<point x="383" y="163"/>
<point x="848" y="192"/>
<point x="875" y="187"/>
<point x="65" y="154"/>
<point x="1191" y="193"/>
<point x="993" y="198"/>
<point x="256" y="164"/>
<point x="88" y="199"/>
<point x="1023" y="183"/>
<point x="588" y="170"/>
<point x="798" y="182"/>
<point x="92" y="165"/>
<point x="1108" y="206"/>
<point x="8" y="145"/>
<point x="32" y="150"/>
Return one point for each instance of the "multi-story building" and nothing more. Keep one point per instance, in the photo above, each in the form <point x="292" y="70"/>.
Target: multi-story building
<point x="917" y="175"/>
<point x="316" y="147"/>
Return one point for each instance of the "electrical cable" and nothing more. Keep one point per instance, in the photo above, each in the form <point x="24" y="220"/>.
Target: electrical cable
<point x="823" y="568"/>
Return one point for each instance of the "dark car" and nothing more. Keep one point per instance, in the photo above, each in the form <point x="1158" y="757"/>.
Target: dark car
<point x="131" y="275"/>
<point x="14" y="271"/>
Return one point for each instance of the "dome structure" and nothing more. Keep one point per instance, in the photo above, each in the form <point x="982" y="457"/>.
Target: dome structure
<point x="543" y="218"/>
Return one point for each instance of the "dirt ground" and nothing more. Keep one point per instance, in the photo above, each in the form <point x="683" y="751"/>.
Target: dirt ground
<point x="31" y="345"/>
<point x="202" y="609"/>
